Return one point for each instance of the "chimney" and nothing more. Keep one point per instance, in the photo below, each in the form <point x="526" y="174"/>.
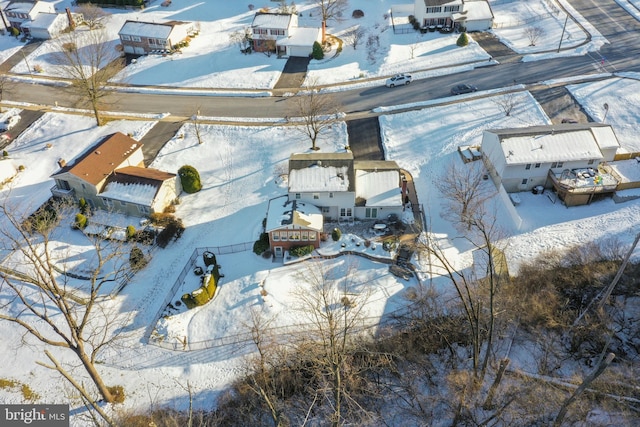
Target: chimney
<point x="324" y="31"/>
<point x="72" y="24"/>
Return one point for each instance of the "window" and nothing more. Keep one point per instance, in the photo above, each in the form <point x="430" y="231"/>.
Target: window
<point x="304" y="235"/>
<point x="312" y="235"/>
<point x="136" y="39"/>
<point x="554" y="165"/>
<point x="63" y="185"/>
<point x="297" y="196"/>
<point x="560" y="164"/>
<point x="259" y="31"/>
<point x="345" y="211"/>
<point x="283" y="236"/>
<point x="277" y="32"/>
<point x="371" y="212"/>
<point x="435" y="9"/>
<point x="294" y="236"/>
<point x="275" y="236"/>
<point x="125" y="37"/>
<point x="143" y="209"/>
<point x="331" y="195"/>
<point x="591" y="162"/>
<point x="316" y="196"/>
<point x="455" y="8"/>
<point x="537" y="165"/>
<point x="528" y="166"/>
<point x="524" y="181"/>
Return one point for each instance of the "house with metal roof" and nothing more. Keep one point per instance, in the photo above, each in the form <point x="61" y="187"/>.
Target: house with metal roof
<point x="111" y="176"/>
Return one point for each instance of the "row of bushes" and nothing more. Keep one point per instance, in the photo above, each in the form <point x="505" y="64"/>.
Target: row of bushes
<point x="208" y="286"/>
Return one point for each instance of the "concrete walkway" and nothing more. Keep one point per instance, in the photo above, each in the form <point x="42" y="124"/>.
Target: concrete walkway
<point x="20" y="55"/>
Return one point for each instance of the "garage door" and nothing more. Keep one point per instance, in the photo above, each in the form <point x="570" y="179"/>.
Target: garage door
<point x="138" y="50"/>
<point x="303" y="51"/>
<point x="128" y="49"/>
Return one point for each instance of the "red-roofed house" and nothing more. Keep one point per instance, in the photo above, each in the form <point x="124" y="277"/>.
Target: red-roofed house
<point x="112" y="176"/>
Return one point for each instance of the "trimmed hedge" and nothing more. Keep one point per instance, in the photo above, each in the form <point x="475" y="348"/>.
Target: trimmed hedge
<point x="190" y="179"/>
<point x="336" y="234"/>
<point x="299" y="251"/>
<point x="203" y="294"/>
<point x="262" y="244"/>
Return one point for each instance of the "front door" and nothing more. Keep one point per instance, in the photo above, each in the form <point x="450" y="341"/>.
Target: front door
<point x="277" y="251"/>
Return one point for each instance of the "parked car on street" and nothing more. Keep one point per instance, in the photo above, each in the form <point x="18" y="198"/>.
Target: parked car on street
<point x="463" y="88"/>
<point x="9" y="123"/>
<point x="399" y="80"/>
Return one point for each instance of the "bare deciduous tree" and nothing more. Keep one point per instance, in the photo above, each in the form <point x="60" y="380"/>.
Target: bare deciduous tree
<point x="90" y="61"/>
<point x="43" y="301"/>
<point x="240" y="37"/>
<point x="506" y="103"/>
<point x="534" y="34"/>
<point x="93" y="16"/>
<point x="312" y="112"/>
<point x="334" y="308"/>
<point x="354" y="36"/>
<point x="5" y="85"/>
<point x="332" y="9"/>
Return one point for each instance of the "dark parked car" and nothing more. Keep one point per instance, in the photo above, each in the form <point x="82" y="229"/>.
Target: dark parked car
<point x="463" y="88"/>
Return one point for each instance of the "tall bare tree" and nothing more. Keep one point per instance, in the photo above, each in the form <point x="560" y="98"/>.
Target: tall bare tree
<point x="43" y="301"/>
<point x="93" y="16"/>
<point x="89" y="59"/>
<point x="354" y="36"/>
<point x="313" y="112"/>
<point x="332" y="9"/>
<point x="333" y="305"/>
<point x="466" y="197"/>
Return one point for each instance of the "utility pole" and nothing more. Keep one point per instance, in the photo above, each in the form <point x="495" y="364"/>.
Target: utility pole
<point x="564" y="27"/>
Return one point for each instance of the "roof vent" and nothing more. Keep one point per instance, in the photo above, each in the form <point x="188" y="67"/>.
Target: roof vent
<point x="319" y="163"/>
<point x="62" y="163"/>
<point x="98" y="152"/>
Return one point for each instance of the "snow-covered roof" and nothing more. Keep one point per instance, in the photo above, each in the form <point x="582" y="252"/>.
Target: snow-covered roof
<point x="158" y="30"/>
<point x="301" y="36"/>
<point x="379" y="188"/>
<point x="271" y="20"/>
<point x="319" y="178"/>
<point x="283" y="212"/>
<point x="140" y="194"/>
<point x="19" y="7"/>
<point x="477" y="10"/>
<point x="554" y="143"/>
<point x="43" y="20"/>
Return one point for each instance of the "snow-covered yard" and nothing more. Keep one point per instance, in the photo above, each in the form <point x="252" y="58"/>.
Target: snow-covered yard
<point x="240" y="168"/>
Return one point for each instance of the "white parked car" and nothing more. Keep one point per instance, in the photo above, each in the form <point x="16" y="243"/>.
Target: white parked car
<point x="399" y="80"/>
<point x="10" y="122"/>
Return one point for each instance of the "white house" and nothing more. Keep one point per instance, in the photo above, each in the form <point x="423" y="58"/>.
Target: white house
<point x="345" y="189"/>
<point x="473" y="15"/>
<point x="141" y="38"/>
<point x="46" y="25"/>
<point x="564" y="157"/>
<point x="279" y="33"/>
<point x="20" y="13"/>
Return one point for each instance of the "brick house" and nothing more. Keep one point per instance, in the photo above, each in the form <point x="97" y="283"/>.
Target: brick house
<point x="142" y="38"/>
<point x="292" y="223"/>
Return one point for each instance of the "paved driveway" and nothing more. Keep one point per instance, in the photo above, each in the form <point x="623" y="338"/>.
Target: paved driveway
<point x="293" y="74"/>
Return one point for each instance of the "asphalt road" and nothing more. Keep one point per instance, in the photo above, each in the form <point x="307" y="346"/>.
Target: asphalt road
<point x="621" y="54"/>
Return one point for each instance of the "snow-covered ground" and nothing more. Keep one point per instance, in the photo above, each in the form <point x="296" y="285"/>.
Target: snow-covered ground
<point x="240" y="168"/>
